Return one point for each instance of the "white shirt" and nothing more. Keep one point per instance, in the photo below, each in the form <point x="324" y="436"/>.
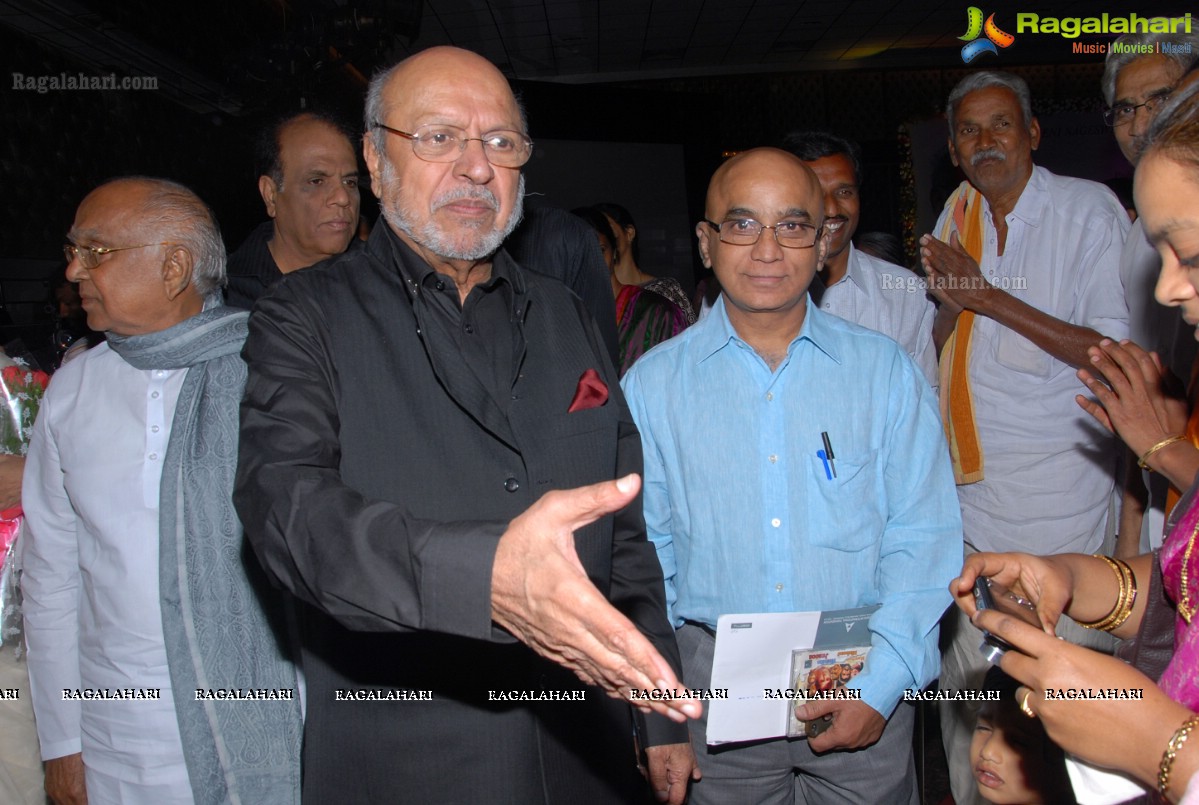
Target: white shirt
<point x="92" y="613"/>
<point x="890" y="300"/>
<point x="1049" y="467"/>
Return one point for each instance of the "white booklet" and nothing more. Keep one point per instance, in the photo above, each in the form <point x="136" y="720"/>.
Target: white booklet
<point x="754" y="659"/>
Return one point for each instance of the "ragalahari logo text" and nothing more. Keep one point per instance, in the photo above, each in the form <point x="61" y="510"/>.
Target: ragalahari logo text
<point x="975" y="27"/>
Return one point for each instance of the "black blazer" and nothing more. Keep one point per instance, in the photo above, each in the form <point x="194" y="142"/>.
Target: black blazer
<point x="375" y="478"/>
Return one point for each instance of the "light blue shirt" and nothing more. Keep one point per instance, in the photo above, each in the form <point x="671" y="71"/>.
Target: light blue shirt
<point x="744" y="515"/>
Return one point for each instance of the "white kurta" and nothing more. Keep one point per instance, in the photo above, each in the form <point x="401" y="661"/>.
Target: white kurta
<point x="92" y="614"/>
<point x="888" y="299"/>
<point x="1050" y="468"/>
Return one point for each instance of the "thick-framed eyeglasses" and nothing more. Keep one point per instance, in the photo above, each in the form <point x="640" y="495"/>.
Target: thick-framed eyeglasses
<point x="89" y="256"/>
<point x="746" y="231"/>
<point x="437" y="142"/>
<point x="1122" y="113"/>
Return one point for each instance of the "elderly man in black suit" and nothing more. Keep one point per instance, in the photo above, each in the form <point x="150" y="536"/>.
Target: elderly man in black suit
<point x="436" y="458"/>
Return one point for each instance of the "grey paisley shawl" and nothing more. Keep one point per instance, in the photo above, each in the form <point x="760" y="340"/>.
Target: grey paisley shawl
<point x="222" y="622"/>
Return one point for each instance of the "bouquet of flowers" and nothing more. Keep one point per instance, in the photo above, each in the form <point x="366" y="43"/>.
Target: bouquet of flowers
<point x="21" y="391"/>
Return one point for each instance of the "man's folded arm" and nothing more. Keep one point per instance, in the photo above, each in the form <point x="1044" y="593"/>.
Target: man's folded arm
<point x="369" y="564"/>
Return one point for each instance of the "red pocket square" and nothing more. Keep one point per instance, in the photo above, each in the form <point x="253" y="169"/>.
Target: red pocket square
<point x="591" y="393"/>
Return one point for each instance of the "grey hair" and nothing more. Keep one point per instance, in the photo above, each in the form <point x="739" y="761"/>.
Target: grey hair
<point x="373" y="111"/>
<point x="374" y="108"/>
<point x="1175" y="129"/>
<point x="1132" y="44"/>
<point x="986" y="79"/>
<point x="180" y="216"/>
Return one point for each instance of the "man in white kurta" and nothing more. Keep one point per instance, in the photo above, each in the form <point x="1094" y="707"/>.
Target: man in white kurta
<point x="1043" y="288"/>
<point x="137" y="600"/>
<point x="91" y="572"/>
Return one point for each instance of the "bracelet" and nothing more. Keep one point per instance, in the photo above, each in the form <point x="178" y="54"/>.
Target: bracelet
<point x="1172" y="749"/>
<point x="1148" y="453"/>
<point x="1125" y="600"/>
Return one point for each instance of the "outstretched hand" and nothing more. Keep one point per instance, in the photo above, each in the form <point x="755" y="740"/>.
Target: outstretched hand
<point x="541" y="594"/>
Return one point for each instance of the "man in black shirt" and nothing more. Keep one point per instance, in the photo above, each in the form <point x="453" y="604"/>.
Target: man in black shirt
<point x="309" y="184"/>
<point x="430" y="437"/>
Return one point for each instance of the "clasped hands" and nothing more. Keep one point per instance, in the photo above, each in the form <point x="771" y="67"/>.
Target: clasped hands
<point x="1135" y="397"/>
<point x="954" y="278"/>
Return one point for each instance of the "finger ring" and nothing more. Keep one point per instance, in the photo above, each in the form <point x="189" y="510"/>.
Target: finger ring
<point x="1024" y="708"/>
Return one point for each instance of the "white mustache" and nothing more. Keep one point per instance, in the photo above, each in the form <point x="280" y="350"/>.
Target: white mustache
<point x="457" y="194"/>
<point x="990" y="153"/>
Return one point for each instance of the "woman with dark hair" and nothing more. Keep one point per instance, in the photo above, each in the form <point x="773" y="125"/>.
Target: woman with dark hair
<point x="627" y="269"/>
<point x="644" y="318"/>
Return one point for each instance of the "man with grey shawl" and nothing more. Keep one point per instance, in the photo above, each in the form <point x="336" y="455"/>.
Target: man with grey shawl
<point x="155" y="663"/>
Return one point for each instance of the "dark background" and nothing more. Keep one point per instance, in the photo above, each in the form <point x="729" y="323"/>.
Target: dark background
<point x="693" y="78"/>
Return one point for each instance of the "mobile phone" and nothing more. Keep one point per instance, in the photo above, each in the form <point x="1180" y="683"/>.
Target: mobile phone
<point x="818" y="726"/>
<point x="990" y="595"/>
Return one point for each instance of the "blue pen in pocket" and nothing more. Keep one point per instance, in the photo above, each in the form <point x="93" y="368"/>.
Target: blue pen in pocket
<point x="828" y="469"/>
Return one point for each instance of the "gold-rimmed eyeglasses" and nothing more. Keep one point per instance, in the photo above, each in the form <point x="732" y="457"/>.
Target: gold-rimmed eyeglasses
<point x="437" y="142"/>
<point x="89" y="256"/>
<point x="789" y="234"/>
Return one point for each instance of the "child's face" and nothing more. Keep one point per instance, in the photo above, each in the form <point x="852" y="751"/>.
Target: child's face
<point x="1008" y="759"/>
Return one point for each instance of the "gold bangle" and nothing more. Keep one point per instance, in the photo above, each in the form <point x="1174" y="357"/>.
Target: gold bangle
<point x="1148" y="453"/>
<point x="1125" y="599"/>
<point x="1128" y="597"/>
<point x="1120" y="579"/>
<point x="1172" y="749"/>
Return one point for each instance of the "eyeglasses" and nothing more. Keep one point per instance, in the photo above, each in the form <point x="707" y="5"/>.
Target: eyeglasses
<point x="1122" y="114"/>
<point x="89" y="256"/>
<point x="436" y="142"/>
<point x="789" y="234"/>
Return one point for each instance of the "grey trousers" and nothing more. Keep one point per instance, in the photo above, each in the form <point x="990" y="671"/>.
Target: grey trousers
<point x="783" y="771"/>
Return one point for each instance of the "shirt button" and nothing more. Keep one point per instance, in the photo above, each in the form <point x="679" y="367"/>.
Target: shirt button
<point x="512" y="484"/>
<point x="776" y="522"/>
<point x="154" y="395"/>
<point x="778" y="588"/>
<point x="153" y="457"/>
<point x="769" y="396"/>
<point x="160" y="373"/>
<point x="440" y="285"/>
<point x="469" y="329"/>
<point x="154" y="429"/>
<point x="773" y="458"/>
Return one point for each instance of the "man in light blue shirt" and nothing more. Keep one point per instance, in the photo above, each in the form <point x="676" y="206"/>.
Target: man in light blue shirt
<point x="745" y="516"/>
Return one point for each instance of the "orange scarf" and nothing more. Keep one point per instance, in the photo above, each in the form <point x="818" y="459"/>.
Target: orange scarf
<point x="957" y="399"/>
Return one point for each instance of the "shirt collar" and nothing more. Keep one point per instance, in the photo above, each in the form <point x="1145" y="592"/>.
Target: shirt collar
<point x="1030" y="207"/>
<point x="716" y="332"/>
<point x="415" y="272"/>
<point x="853" y="271"/>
